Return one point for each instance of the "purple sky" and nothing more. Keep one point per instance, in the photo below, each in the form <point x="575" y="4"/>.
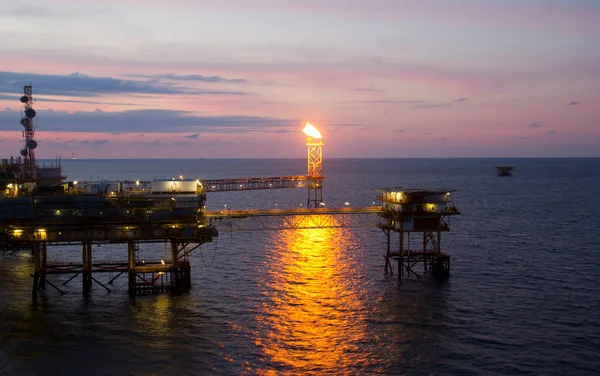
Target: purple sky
<point x="239" y="78"/>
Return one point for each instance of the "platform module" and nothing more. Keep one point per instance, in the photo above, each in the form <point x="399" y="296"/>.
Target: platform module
<point x="504" y="170"/>
<point x="422" y="214"/>
<point x="131" y="218"/>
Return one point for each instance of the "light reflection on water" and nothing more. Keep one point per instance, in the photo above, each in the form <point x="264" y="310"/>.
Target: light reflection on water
<point x="313" y="316"/>
<point x="154" y="317"/>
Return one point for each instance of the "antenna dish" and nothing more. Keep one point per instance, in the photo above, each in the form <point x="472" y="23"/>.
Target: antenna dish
<point x="30" y="113"/>
<point x="24" y="152"/>
<point x="24" y="99"/>
<point x="31" y="144"/>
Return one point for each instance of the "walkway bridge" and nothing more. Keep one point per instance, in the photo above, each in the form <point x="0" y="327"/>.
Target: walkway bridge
<point x="294" y="218"/>
<point x="254" y="183"/>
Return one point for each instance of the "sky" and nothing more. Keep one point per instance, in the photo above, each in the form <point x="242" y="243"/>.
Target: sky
<point x="239" y="78"/>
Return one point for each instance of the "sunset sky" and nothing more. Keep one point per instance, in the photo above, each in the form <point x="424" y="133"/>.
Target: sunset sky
<point x="239" y="78"/>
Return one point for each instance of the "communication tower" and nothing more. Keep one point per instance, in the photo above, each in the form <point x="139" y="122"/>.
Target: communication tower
<point x="28" y="169"/>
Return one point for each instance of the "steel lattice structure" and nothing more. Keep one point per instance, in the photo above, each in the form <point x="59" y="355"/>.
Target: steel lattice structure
<point x="28" y="172"/>
<point x="315" y="172"/>
<point x="245" y="184"/>
<point x="285" y="219"/>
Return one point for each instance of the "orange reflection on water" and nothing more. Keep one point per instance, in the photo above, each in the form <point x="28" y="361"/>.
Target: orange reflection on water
<point x="313" y="319"/>
<point x="154" y="316"/>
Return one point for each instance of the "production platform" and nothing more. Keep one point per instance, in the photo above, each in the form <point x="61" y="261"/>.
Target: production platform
<point x="41" y="211"/>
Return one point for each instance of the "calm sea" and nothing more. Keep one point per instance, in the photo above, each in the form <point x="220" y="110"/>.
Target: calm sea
<point x="523" y="297"/>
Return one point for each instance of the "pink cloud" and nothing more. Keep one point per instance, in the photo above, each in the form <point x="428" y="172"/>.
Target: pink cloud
<point x="507" y="90"/>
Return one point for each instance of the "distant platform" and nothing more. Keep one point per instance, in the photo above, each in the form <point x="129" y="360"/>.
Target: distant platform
<point x="504" y="170"/>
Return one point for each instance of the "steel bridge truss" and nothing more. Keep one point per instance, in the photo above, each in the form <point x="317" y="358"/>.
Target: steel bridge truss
<point x="282" y="219"/>
<point x="246" y="184"/>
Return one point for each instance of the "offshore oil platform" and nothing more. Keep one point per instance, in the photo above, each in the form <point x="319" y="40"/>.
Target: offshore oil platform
<point x="41" y="210"/>
<point x="504" y="170"/>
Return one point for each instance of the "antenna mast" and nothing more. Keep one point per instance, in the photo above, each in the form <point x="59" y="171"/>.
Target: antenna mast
<point x="29" y="170"/>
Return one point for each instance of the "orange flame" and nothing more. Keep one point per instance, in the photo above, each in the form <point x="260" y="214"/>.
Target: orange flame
<point x="311" y="131"/>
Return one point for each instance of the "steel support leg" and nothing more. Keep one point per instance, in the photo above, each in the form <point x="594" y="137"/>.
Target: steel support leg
<point x="131" y="266"/>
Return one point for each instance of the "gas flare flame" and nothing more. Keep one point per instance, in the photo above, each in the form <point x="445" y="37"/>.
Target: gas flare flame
<point x="311" y="131"/>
